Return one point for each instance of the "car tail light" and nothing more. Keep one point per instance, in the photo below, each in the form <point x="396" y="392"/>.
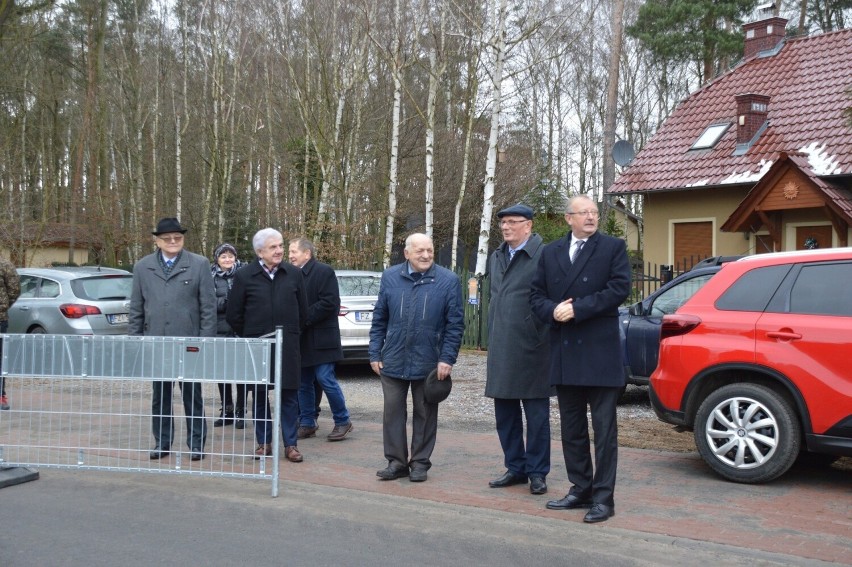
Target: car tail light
<point x="75" y="310"/>
<point x="674" y="325"/>
<point x="344" y="311"/>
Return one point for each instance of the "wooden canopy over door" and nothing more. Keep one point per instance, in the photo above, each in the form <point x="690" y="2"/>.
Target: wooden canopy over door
<point x="791" y="184"/>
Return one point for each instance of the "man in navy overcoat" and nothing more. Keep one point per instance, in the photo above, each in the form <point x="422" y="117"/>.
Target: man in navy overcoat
<point x="580" y="282"/>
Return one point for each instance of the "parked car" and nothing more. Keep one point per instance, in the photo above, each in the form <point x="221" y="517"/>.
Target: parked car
<point x="72" y="301"/>
<point x="359" y="291"/>
<point x="755" y="364"/>
<point x="640" y="323"/>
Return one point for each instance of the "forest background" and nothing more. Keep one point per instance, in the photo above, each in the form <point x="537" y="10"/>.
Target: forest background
<point x="351" y="122"/>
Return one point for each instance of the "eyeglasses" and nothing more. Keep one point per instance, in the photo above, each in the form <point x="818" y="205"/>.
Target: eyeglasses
<point x="512" y="222"/>
<point x="174" y="238"/>
<point x="592" y="214"/>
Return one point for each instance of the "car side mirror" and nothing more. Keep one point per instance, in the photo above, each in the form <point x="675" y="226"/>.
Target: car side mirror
<point x="635" y="309"/>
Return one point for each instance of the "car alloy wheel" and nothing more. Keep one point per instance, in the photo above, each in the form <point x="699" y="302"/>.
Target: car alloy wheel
<point x="747" y="433"/>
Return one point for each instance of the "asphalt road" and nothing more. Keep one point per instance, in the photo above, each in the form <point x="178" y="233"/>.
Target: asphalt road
<point x="72" y="519"/>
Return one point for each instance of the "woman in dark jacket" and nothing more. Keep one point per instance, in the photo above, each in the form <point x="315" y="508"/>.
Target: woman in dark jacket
<point x="225" y="265"/>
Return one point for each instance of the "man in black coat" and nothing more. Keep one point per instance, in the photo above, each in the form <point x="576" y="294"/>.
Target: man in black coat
<point x="268" y="293"/>
<point x="580" y="282"/>
<point x="320" y="343"/>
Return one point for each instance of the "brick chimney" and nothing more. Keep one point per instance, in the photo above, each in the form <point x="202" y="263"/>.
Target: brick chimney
<point x="751" y="115"/>
<point x="763" y="35"/>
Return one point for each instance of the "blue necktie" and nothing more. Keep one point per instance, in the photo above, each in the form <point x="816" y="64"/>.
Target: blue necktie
<point x="578" y="245"/>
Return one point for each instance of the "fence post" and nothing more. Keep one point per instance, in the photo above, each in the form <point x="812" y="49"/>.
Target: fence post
<point x="276" y="419"/>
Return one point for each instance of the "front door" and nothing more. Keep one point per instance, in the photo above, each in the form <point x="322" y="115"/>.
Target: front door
<point x="808" y="237"/>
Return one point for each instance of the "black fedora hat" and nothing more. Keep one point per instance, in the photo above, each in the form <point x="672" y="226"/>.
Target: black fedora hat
<point x="436" y="391"/>
<point x="167" y="225"/>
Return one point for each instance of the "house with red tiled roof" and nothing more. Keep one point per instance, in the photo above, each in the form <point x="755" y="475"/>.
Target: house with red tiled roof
<point x="757" y="160"/>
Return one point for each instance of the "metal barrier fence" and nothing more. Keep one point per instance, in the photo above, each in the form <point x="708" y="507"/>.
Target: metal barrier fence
<point x="84" y="402"/>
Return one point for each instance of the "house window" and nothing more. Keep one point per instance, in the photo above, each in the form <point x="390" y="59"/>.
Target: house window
<point x="710" y="136"/>
<point x="693" y="241"/>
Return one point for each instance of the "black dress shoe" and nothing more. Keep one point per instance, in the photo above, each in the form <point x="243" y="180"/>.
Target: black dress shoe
<point x="417" y="475"/>
<point x="508" y="479"/>
<point x="537" y="485"/>
<point x="599" y="513"/>
<point x="196" y="455"/>
<point x="158" y="453"/>
<point x="392" y="473"/>
<point x="570" y="502"/>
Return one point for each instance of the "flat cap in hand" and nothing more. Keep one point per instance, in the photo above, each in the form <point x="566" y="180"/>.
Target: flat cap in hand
<point x="436" y="391"/>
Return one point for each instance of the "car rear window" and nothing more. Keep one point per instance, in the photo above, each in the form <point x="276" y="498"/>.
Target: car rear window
<point x="823" y="289"/>
<point x="753" y="290"/>
<point x="102" y="288"/>
<point x="359" y="285"/>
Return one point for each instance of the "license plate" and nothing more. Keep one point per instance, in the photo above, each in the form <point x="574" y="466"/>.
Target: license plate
<point x="363" y="316"/>
<point x="118" y="319"/>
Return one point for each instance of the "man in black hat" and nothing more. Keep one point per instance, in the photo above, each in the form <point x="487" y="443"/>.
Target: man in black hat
<point x="173" y="296"/>
<point x="518" y="356"/>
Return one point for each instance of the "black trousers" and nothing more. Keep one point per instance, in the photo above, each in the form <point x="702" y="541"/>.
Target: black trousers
<point x="162" y="424"/>
<point x="596" y="483"/>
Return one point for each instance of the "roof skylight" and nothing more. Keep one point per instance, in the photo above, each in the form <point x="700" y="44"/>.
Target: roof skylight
<point x="710" y="136"/>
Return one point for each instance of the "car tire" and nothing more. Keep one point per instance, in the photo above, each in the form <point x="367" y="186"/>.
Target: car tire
<point x="37" y="331"/>
<point x="747" y="433"/>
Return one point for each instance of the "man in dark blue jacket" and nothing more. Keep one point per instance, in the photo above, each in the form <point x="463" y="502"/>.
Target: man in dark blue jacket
<point x="418" y="324"/>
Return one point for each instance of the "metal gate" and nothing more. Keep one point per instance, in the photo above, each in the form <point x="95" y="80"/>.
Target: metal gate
<point x="84" y="402"/>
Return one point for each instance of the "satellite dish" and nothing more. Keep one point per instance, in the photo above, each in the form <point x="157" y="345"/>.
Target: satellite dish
<point x="623" y="152"/>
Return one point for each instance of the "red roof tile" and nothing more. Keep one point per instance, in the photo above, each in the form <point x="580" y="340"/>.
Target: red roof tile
<point x="807" y="82"/>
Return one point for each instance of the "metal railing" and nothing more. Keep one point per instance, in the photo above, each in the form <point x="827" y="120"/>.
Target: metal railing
<point x="84" y="402"/>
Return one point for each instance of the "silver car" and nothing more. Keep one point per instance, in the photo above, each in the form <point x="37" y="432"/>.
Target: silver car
<point x="72" y="301"/>
<point x="359" y="291"/>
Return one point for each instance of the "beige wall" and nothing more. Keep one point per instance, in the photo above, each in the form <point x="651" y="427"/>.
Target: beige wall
<point x="44" y="257"/>
<point x="630" y="228"/>
<point x="713" y="205"/>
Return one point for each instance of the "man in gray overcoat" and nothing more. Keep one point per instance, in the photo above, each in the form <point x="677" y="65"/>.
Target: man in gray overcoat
<point x="518" y="355"/>
<point x="173" y="296"/>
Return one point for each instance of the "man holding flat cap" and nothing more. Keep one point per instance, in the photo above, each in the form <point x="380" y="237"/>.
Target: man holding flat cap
<point x="418" y="323"/>
<point x="518" y="355"/>
<point x="173" y="296"/>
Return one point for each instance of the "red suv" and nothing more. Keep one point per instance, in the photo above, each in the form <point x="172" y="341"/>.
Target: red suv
<point x="755" y="363"/>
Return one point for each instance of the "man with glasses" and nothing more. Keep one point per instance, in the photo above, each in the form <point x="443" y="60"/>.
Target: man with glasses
<point x="518" y="355"/>
<point x="173" y="296"/>
<point x="580" y="282"/>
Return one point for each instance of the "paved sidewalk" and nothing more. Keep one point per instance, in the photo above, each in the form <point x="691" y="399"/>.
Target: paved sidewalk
<point x="807" y="513"/>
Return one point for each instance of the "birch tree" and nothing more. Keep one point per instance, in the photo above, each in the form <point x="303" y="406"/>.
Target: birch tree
<point x="616" y="42"/>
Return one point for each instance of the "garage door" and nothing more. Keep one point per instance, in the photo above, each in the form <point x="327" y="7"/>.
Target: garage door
<point x="693" y="241"/>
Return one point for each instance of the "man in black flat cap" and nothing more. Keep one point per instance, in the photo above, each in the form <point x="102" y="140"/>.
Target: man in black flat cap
<point x="518" y="355"/>
<point x="173" y="296"/>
